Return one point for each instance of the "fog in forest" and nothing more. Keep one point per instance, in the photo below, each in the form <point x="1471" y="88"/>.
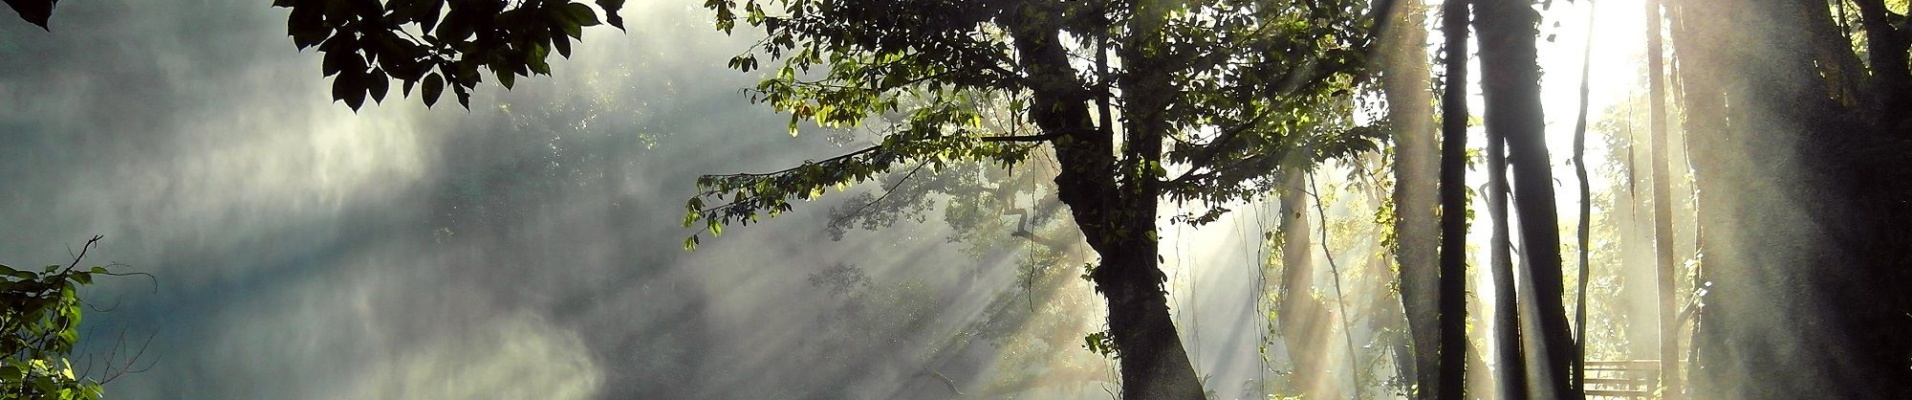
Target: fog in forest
<point x="532" y="246"/>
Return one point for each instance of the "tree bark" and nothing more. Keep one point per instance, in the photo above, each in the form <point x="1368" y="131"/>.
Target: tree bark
<point x="1117" y="219"/>
<point x="1662" y="205"/>
<point x="1510" y="83"/>
<point x="1509" y="352"/>
<point x="1453" y="190"/>
<point x="1405" y="79"/>
<point x="1586" y="210"/>
<point x="1305" y="321"/>
<point x="1804" y="302"/>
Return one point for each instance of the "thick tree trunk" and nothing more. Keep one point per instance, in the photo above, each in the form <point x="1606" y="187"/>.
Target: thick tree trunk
<point x="1453" y="190"/>
<point x="1510" y="355"/>
<point x="1405" y="81"/>
<point x="1118" y="220"/>
<point x="1662" y="206"/>
<point x="1510" y="81"/>
<point x="1154" y="364"/>
<point x="1805" y="302"/>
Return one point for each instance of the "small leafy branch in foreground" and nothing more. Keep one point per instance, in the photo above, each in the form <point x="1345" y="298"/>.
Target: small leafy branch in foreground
<point x="39" y="328"/>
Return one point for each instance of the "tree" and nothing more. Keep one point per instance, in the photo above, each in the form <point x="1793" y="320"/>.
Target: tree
<point x="1405" y="80"/>
<point x="1221" y="92"/>
<point x="1218" y="91"/>
<point x="1453" y="281"/>
<point x="1305" y="321"/>
<point x="1510" y="84"/>
<point x="1585" y="226"/>
<point x="1662" y="204"/>
<point x="1509" y="349"/>
<point x="1796" y="121"/>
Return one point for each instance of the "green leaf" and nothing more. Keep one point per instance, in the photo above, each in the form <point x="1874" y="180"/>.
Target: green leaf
<point x="535" y="58"/>
<point x="580" y="13"/>
<point x="690" y="243"/>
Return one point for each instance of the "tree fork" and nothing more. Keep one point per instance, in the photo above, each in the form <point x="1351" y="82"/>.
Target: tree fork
<point x="1117" y="220"/>
<point x="1510" y="83"/>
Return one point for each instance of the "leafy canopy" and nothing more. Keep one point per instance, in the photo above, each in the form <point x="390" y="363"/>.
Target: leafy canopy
<point x="1250" y="84"/>
<point x="432" y="44"/>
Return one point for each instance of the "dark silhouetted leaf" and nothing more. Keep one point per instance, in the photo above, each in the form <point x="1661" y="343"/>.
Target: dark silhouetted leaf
<point x="434" y="86"/>
<point x="36" y="12"/>
<point x="376" y="85"/>
<point x="611" y="8"/>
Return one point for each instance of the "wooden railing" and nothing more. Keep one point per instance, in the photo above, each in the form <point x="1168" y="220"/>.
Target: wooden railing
<point x="1633" y="379"/>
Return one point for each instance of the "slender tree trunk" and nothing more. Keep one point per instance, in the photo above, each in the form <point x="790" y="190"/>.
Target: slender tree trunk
<point x="1305" y="322"/>
<point x="1510" y="81"/>
<point x="1586" y="209"/>
<point x="1405" y="80"/>
<point x="1662" y="205"/>
<point x="1453" y="188"/>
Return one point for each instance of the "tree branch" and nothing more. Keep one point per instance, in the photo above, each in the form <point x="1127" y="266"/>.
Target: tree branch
<point x="879" y="199"/>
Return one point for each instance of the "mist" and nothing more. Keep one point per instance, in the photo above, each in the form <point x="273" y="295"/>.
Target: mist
<point x="532" y="246"/>
<point x="526" y="248"/>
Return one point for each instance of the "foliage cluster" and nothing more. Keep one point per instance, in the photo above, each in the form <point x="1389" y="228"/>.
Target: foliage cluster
<point x="429" y="44"/>
<point x="39" y="325"/>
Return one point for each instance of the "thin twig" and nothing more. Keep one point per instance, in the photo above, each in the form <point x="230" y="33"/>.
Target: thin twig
<point x="1340" y="299"/>
<point x="886" y="194"/>
<point x="76" y="259"/>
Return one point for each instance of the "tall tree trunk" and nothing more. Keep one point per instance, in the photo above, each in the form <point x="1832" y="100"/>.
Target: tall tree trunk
<point x="1586" y="209"/>
<point x="1117" y="218"/>
<point x="1453" y="189"/>
<point x="1662" y="204"/>
<point x="1508" y="349"/>
<point x="1305" y="322"/>
<point x="1405" y="81"/>
<point x="1805" y="302"/>
<point x="1510" y="81"/>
